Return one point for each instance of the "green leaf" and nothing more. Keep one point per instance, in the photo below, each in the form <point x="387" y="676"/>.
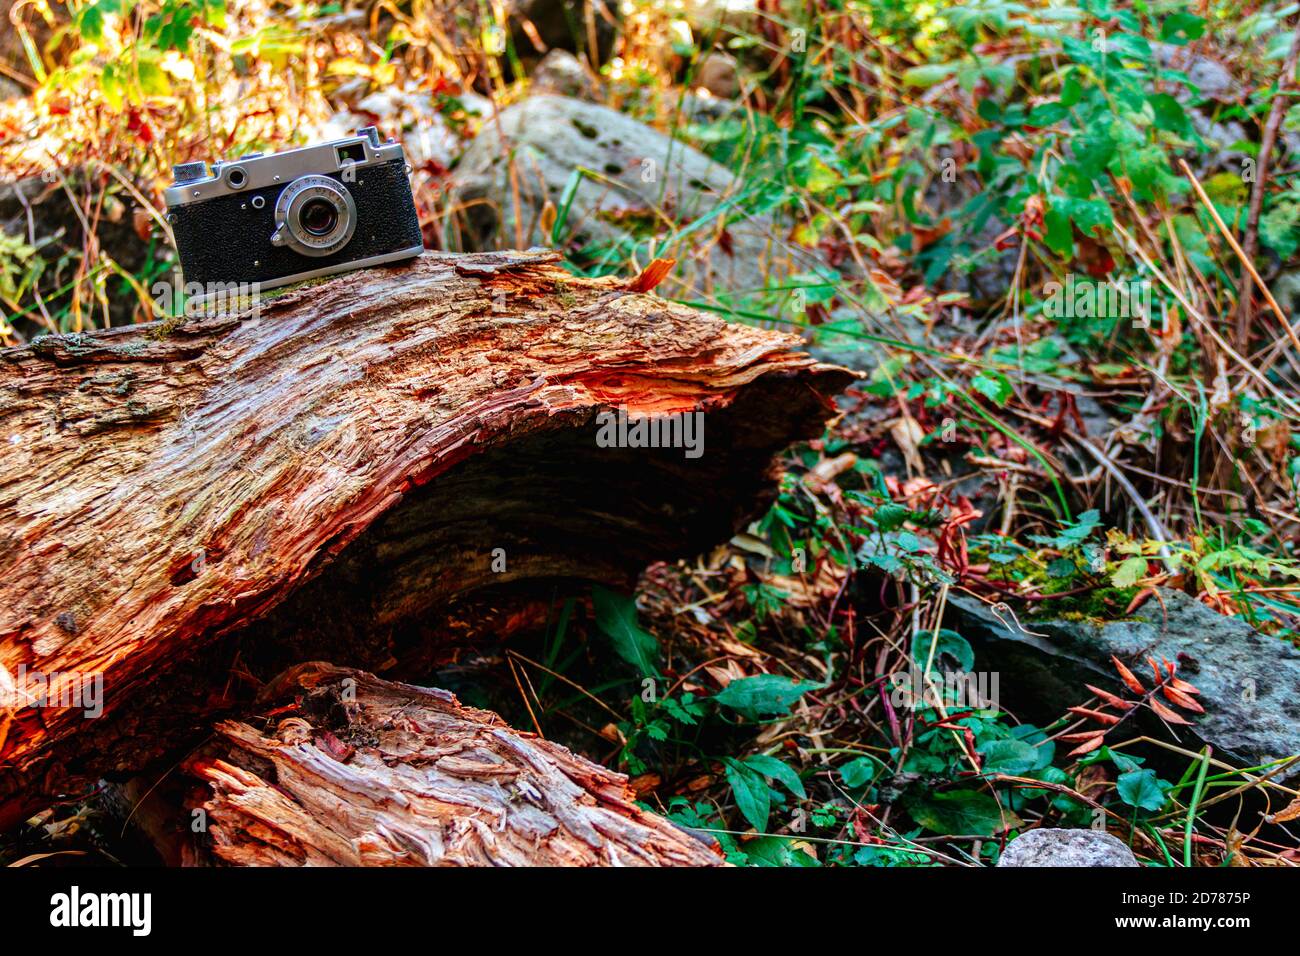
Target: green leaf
<point x="778" y="771"/>
<point x="929" y="75"/>
<point x="858" y="772"/>
<point x="753" y="797"/>
<point x="1181" y="28"/>
<point x="890" y="517"/>
<point x="1071" y="89"/>
<point x="1045" y="114"/>
<point x="565" y="204"/>
<point x="1059" y="236"/>
<point x="90" y="23"/>
<point x="948" y="642"/>
<point x="775" y="851"/>
<point x="765" y="695"/>
<point x="616" y="616"/>
<point x="1141" y="789"/>
<point x="962" y="813"/>
<point x="1013" y="757"/>
<point x="1062" y="568"/>
<point x="1169" y="113"/>
<point x="1130" y="571"/>
<point x="994" y="386"/>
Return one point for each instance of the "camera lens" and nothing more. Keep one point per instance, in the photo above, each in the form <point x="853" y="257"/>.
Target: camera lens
<point x="315" y="215"/>
<point x="319" y="217"/>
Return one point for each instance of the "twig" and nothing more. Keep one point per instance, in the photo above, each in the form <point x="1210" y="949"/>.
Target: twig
<point x="1245" y="258"/>
<point x="1276" y="111"/>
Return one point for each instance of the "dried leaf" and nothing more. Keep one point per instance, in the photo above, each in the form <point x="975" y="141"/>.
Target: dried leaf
<point x="1127" y="677"/>
<point x="1164" y="713"/>
<point x="1138" y="600"/>
<point x="644" y="784"/>
<point x="1182" y="700"/>
<point x="1177" y="683"/>
<point x="1097" y="715"/>
<point x="1290" y="812"/>
<point x="652" y="275"/>
<point x="142" y="223"/>
<point x="1111" y="699"/>
<point x="546" y="221"/>
<point x="1089" y="747"/>
<point x="1085" y="735"/>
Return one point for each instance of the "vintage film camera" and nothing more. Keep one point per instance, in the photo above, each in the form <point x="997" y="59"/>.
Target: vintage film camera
<point x="294" y="215"/>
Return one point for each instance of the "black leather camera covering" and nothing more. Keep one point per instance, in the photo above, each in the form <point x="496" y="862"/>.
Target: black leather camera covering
<point x="219" y="240"/>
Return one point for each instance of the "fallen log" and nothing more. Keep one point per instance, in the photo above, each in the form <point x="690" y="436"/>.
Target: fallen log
<point x="188" y="509"/>
<point x="352" y="770"/>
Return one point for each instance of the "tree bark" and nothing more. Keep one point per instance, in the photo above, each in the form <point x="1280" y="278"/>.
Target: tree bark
<point x="359" y="771"/>
<point x="188" y="509"/>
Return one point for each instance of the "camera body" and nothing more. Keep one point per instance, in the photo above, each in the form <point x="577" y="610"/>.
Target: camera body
<point x="294" y="215"/>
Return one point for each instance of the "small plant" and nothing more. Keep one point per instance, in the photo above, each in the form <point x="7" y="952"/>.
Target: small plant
<point x="1167" y="685"/>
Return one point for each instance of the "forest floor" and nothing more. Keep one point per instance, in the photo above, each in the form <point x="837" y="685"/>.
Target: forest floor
<point x="1058" y="243"/>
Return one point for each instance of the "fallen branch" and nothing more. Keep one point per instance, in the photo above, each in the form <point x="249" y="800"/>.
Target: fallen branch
<point x="187" y="510"/>
<point x="359" y="771"/>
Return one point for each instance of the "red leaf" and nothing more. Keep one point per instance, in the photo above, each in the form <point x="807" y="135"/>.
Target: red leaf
<point x="1182" y="700"/>
<point x="1086" y="735"/>
<point x="652" y="275"/>
<point x="1111" y="699"/>
<point x="1096" y="258"/>
<point x="1165" y="713"/>
<point x="1127" y="677"/>
<point x="1097" y="715"/>
<point x="1085" y="748"/>
<point x="335" y="747"/>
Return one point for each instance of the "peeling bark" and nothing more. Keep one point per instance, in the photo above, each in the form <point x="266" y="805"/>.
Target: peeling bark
<point x="366" y="772"/>
<point x="188" y="510"/>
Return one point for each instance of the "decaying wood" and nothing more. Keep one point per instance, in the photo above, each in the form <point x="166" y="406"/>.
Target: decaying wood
<point x="186" y="510"/>
<point x="366" y="772"/>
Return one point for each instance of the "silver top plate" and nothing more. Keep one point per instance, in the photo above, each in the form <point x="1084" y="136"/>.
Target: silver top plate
<point x="279" y="169"/>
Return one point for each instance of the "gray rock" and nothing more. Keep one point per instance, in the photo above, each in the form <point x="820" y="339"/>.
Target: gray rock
<point x="563" y="25"/>
<point x="704" y="110"/>
<point x="1048" y="847"/>
<point x="733" y="16"/>
<point x="987" y="272"/>
<point x="1248" y="680"/>
<point x="719" y="73"/>
<point x="561" y="73"/>
<point x="1286" y="289"/>
<point x="429" y="140"/>
<point x="639" y="176"/>
<point x="1211" y="79"/>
